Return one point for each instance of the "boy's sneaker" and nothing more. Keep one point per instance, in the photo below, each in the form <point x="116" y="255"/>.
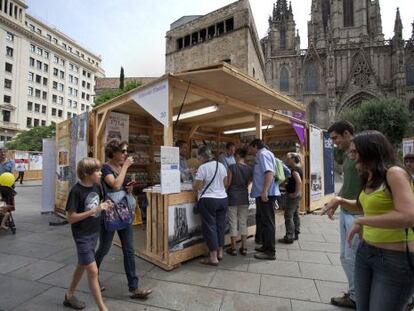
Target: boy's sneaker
<point x="73" y="303"/>
<point x="344" y="301"/>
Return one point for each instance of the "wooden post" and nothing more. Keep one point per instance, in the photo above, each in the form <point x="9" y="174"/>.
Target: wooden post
<point x="168" y="130"/>
<point x="258" y="120"/>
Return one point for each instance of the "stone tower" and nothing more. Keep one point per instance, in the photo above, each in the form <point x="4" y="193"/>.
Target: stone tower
<point x="398" y="59"/>
<point x="350" y="21"/>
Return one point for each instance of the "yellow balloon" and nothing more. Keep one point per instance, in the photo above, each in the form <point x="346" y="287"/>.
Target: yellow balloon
<point x="7" y="179"/>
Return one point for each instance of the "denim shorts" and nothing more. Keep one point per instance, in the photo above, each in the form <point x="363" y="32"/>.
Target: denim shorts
<point x="85" y="247"/>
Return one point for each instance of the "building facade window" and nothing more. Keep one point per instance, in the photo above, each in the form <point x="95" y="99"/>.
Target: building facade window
<point x="9" y="51"/>
<point x="60" y="113"/>
<point x="43" y="123"/>
<point x="44" y="95"/>
<point x="29" y="122"/>
<point x="54" y="98"/>
<point x="348" y="6"/>
<point x="7" y="83"/>
<point x="39" y="64"/>
<point x="30" y="77"/>
<point x="32" y="48"/>
<point x="29" y="106"/>
<point x="31" y="61"/>
<point x="37" y="108"/>
<point x="55" y="72"/>
<point x="8" y="67"/>
<point x="284" y="80"/>
<point x="7" y="99"/>
<point x="6" y="116"/>
<point x="45" y="67"/>
<point x="30" y="91"/>
<point x="9" y="36"/>
<point x="54" y="112"/>
<point x="37" y="93"/>
<point x="36" y="122"/>
<point x="311" y="78"/>
<point x="44" y="109"/>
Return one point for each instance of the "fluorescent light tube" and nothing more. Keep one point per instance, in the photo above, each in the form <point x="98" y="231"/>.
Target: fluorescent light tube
<point x="250" y="129"/>
<point x="197" y="112"/>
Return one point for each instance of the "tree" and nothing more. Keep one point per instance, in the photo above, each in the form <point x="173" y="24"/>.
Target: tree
<point x="32" y="140"/>
<point x="121" y="79"/>
<point x="109" y="94"/>
<point x="388" y="116"/>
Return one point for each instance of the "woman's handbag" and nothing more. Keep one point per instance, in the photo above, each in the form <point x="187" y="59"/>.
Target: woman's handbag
<point x="121" y="214"/>
<point x="196" y="208"/>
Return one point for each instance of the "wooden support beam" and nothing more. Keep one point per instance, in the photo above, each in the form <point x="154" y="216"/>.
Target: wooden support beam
<point x="258" y="121"/>
<point x="229" y="101"/>
<point x="102" y="122"/>
<point x="169" y="129"/>
<point x="192" y="131"/>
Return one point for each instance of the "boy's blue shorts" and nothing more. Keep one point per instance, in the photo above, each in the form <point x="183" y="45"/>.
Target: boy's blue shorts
<point x="85" y="247"/>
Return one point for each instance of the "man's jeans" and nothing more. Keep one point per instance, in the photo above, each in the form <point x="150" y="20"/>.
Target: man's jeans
<point x="126" y="237"/>
<point x="383" y="279"/>
<point x="348" y="255"/>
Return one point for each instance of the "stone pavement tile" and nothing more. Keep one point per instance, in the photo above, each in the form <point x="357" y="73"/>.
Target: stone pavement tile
<point x="187" y="274"/>
<point x="169" y="295"/>
<point x="49" y="238"/>
<point x="37" y="270"/>
<point x="287" y="287"/>
<point x="334" y="238"/>
<point x="324" y="230"/>
<point x="248" y="302"/>
<point x="327" y="290"/>
<point x="320" y="247"/>
<point x="32" y="250"/>
<point x="237" y="263"/>
<point x="334" y="259"/>
<point x="66" y="256"/>
<point x="115" y="264"/>
<point x="14" y="292"/>
<point x="276" y="267"/>
<point x="298" y="305"/>
<point x="10" y="263"/>
<point x="322" y="272"/>
<point x="52" y="299"/>
<point x="307" y="256"/>
<point x="63" y="276"/>
<point x="312" y="237"/>
<point x="236" y="281"/>
<point x="295" y="245"/>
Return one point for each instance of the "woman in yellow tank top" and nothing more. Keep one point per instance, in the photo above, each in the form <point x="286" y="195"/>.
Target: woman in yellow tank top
<point x="384" y="280"/>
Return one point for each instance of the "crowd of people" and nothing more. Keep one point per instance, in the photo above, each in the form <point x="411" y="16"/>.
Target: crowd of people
<point x="376" y="216"/>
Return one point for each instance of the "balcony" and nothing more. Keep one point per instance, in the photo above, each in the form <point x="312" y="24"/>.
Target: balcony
<point x="9" y="125"/>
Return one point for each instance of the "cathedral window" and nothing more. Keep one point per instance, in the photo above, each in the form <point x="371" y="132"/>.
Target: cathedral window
<point x="411" y="106"/>
<point x="348" y="13"/>
<point x="313" y="112"/>
<point x="283" y="39"/>
<point x="220" y="28"/>
<point x="229" y="24"/>
<point x="326" y="13"/>
<point x="284" y="80"/>
<point x="311" y="77"/>
<point x="409" y="73"/>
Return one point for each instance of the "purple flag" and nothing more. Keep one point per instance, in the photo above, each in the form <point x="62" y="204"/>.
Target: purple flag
<point x="299" y="115"/>
<point x="300" y="131"/>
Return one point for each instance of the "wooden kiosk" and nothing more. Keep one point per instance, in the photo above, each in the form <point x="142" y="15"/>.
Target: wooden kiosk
<point x="237" y="102"/>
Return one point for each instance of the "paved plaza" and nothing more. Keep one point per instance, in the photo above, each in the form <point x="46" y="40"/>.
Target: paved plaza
<point x="36" y="265"/>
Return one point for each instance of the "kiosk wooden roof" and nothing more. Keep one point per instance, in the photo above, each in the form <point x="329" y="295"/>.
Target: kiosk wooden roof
<point x="241" y="102"/>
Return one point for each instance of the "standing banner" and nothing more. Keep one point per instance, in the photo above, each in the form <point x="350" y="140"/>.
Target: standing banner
<point x="117" y="127"/>
<point x="36" y="161"/>
<point x="170" y="170"/>
<point x="408" y="145"/>
<point x="315" y="154"/>
<point x="63" y="170"/>
<point x="328" y="162"/>
<point x="78" y="143"/>
<point x="22" y="157"/>
<point x="48" y="176"/>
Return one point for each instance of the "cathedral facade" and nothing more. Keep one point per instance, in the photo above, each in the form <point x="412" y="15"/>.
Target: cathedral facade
<point x="347" y="60"/>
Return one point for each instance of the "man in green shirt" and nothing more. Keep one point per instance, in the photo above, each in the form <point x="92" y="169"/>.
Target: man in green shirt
<point x="341" y="133"/>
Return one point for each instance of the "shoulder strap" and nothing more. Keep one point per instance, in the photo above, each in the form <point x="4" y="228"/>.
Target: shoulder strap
<point x="211" y="181"/>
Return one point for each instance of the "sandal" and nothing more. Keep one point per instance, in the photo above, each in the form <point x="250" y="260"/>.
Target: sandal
<point x="231" y="251"/>
<point x="243" y="251"/>
<point x="140" y="293"/>
<point x="207" y="262"/>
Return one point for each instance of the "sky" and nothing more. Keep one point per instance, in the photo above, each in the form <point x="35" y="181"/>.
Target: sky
<point x="131" y="33"/>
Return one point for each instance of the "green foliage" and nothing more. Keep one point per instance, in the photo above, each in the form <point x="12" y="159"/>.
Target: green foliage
<point x="109" y="94"/>
<point x="121" y="79"/>
<point x="32" y="140"/>
<point x="388" y="116"/>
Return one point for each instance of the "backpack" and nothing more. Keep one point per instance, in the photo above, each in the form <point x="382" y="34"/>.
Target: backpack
<point x="280" y="176"/>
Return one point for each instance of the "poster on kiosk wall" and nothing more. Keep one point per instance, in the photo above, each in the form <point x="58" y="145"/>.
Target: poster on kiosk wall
<point x="117" y="127"/>
<point x="316" y="153"/>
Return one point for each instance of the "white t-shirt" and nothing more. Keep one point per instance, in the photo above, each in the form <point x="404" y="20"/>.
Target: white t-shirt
<point x="205" y="173"/>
